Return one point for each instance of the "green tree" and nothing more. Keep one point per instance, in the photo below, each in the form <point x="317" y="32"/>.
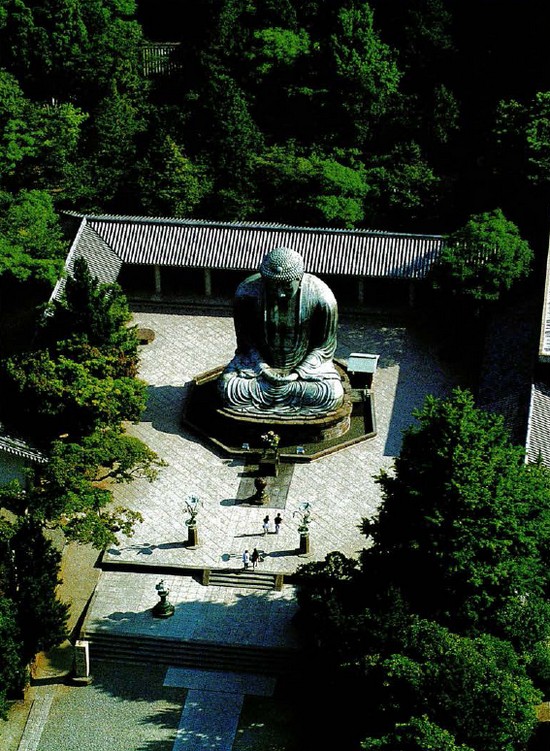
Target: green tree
<point x="73" y="490"/>
<point x="404" y="188"/>
<point x="37" y="142"/>
<point x="313" y="188"/>
<point x="275" y="47"/>
<point x="70" y="48"/>
<point x="89" y="314"/>
<point x="31" y="241"/>
<point x="41" y="617"/>
<point x="484" y="258"/>
<point x="72" y="393"/>
<point x="522" y="138"/>
<point x="229" y="142"/>
<point x="79" y="66"/>
<point x="170" y="183"/>
<point x="475" y="689"/>
<point x="417" y="734"/>
<point x="119" y="120"/>
<point x="12" y="672"/>
<point x="366" y="74"/>
<point x="464" y="512"/>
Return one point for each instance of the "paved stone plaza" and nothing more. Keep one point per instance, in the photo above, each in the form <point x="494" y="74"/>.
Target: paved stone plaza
<point x="340" y="487"/>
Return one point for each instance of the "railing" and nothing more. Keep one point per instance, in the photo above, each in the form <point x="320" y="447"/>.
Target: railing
<point x="157" y="58"/>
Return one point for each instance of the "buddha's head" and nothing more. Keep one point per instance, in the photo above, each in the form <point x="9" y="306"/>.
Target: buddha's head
<point x="282" y="270"/>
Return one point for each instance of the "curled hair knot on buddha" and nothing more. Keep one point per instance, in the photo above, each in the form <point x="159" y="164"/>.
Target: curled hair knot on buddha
<point x="282" y="264"/>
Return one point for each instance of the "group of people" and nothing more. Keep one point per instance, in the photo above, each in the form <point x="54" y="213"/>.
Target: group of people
<point x="277" y="521"/>
<point x="251" y="558"/>
<point x="255" y="556"/>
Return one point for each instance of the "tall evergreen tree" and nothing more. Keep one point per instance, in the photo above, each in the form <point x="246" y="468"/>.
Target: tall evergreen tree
<point x="464" y="525"/>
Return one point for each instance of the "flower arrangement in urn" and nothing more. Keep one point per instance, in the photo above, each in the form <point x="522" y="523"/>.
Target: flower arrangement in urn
<point x="271" y="440"/>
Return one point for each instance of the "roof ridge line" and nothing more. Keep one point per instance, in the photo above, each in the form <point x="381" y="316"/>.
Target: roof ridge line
<point x="120" y="219"/>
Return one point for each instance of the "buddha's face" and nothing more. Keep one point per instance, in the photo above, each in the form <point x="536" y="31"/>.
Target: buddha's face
<point x="282" y="290"/>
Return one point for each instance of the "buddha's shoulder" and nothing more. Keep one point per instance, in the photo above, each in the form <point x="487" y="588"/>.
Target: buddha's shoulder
<point x="250" y="287"/>
<point x="317" y="289"/>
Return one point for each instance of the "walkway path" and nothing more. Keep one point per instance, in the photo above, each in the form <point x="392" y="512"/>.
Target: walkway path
<point x="214" y="700"/>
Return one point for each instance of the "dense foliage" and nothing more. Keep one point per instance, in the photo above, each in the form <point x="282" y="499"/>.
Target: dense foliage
<point x="390" y="115"/>
<point x="442" y="627"/>
<point x="12" y="673"/>
<point x="81" y="376"/>
<point x="466" y="516"/>
<point x="71" y="394"/>
<point x="31" y="616"/>
<point x="483" y="259"/>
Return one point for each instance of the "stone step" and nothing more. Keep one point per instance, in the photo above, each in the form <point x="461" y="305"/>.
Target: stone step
<point x="199" y="654"/>
<point x="249" y="578"/>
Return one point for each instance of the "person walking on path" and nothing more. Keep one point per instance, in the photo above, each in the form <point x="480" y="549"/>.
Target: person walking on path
<point x="255" y="557"/>
<point x="246" y="558"/>
<point x="266" y="525"/>
<point x="278" y="522"/>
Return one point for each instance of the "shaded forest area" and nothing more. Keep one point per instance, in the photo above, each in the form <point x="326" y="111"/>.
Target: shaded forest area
<point x="494" y="51"/>
<point x="382" y="115"/>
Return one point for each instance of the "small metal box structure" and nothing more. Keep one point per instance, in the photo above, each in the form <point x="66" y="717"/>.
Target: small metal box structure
<point x="361" y="369"/>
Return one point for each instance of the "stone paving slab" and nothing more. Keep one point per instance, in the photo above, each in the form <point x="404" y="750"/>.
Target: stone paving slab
<point x="37" y="719"/>
<point x="215" y="680"/>
<point x="125" y="708"/>
<point x="213" y="705"/>
<point x="209" y="721"/>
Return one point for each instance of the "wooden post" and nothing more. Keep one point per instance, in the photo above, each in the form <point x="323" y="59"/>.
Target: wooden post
<point x="158" y="284"/>
<point x="208" y="283"/>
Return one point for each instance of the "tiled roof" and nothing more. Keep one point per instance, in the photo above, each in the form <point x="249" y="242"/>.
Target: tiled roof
<point x="19" y="448"/>
<point x="104" y="264"/>
<point x="544" y="346"/>
<point x="538" y="432"/>
<point x="239" y="246"/>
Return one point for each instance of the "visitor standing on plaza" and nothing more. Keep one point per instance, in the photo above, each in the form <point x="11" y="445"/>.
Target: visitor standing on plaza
<point x="255" y="557"/>
<point x="246" y="558"/>
<point x="266" y="525"/>
<point x="278" y="522"/>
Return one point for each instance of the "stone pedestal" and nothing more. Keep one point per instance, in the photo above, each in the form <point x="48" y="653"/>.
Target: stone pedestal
<point x="81" y="674"/>
<point x="304" y="543"/>
<point x="192" y="536"/>
<point x="269" y="464"/>
<point x="303" y="439"/>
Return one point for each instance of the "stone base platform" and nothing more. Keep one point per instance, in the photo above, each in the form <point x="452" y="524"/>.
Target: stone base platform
<point x="301" y="438"/>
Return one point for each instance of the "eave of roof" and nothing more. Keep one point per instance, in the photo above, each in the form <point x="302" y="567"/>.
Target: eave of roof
<point x="537" y="442"/>
<point x="20" y="448"/>
<point x="544" y="344"/>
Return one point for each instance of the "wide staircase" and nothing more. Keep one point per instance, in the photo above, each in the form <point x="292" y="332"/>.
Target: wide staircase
<point x="203" y="654"/>
<point x="192" y="654"/>
<point x="249" y="578"/>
